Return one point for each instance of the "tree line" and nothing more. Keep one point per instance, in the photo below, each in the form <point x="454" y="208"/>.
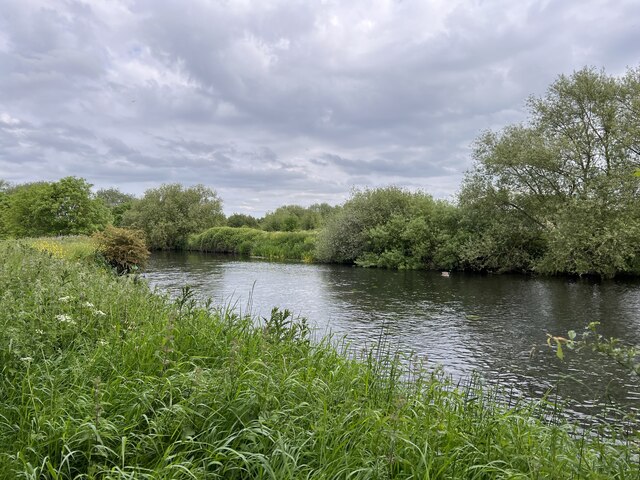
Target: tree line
<point x="556" y="194"/>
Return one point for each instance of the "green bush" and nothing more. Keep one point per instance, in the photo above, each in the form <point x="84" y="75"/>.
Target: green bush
<point x="122" y="248"/>
<point x="65" y="207"/>
<point x="391" y="228"/>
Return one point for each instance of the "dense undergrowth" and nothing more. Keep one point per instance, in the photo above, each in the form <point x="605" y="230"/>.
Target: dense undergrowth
<point x="101" y="378"/>
<point x="259" y="243"/>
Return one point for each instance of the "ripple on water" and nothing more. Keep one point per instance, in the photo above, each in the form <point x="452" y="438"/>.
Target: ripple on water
<point x="493" y="325"/>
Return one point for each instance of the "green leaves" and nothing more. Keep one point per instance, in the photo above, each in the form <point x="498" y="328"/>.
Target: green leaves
<point x="170" y="213"/>
<point x="558" y="194"/>
<point x="66" y="207"/>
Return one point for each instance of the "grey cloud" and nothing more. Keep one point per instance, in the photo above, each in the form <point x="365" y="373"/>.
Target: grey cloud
<point x="277" y="101"/>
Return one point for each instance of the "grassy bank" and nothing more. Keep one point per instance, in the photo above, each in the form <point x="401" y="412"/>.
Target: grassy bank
<point x="100" y="378"/>
<point x="79" y="247"/>
<point x="259" y="243"/>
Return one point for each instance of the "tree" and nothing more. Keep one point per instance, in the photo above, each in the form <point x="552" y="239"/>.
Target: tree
<point x="238" y="220"/>
<point x="170" y="213"/>
<point x="117" y="202"/>
<point x="564" y="181"/>
<point x="66" y="207"/>
<point x="390" y="228"/>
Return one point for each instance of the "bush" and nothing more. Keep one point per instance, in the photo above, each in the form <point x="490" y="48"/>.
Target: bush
<point x="123" y="249"/>
<point x="391" y="228"/>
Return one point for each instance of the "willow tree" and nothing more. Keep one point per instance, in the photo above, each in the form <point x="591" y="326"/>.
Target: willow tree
<point x="170" y="213"/>
<point x="564" y="180"/>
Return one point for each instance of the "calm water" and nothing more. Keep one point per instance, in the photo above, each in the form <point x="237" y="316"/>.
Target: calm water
<point x="493" y="325"/>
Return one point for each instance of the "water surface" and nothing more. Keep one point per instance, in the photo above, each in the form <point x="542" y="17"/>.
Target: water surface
<point x="494" y="325"/>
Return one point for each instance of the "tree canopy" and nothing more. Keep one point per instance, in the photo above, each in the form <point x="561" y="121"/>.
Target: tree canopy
<point x="563" y="182"/>
<point x="170" y="213"/>
<point x="65" y="207"/>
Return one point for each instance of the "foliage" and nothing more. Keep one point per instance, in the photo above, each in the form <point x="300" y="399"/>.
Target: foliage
<point x="238" y="220"/>
<point x="626" y="355"/>
<point x="117" y="202"/>
<point x="391" y="228"/>
<point x="103" y="379"/>
<point x="65" y="207"/>
<point x="250" y="241"/>
<point x="170" y="213"/>
<point x="123" y="249"/>
<point x="4" y="208"/>
<point x="290" y="218"/>
<point x="558" y="194"/>
<point x="493" y="236"/>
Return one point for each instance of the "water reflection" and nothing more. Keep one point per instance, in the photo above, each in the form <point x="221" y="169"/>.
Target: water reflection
<point x="495" y="325"/>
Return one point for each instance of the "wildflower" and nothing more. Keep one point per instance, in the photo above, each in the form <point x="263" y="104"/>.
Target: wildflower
<point x="39" y="332"/>
<point x="88" y="304"/>
<point x="99" y="313"/>
<point x="65" y="319"/>
<point x="64" y="299"/>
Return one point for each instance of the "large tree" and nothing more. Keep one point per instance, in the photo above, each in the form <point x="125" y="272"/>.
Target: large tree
<point x="65" y="207"/>
<point x="565" y="179"/>
<point x="170" y="213"/>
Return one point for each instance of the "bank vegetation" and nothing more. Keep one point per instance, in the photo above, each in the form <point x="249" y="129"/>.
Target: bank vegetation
<point x="101" y="378"/>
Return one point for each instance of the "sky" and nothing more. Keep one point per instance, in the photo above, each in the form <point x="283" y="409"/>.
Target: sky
<point x="279" y="102"/>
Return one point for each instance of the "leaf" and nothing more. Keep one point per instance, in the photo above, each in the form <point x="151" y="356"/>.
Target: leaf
<point x="559" y="352"/>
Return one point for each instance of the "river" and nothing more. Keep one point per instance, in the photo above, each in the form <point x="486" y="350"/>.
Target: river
<point x="494" y="325"/>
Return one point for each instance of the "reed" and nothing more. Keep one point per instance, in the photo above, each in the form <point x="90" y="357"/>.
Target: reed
<point x="254" y="242"/>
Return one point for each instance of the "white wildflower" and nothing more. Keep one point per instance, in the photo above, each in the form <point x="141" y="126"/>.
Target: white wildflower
<point x="88" y="305"/>
<point x="65" y="319"/>
<point x="64" y="299"/>
<point x="99" y="313"/>
<point x="39" y="332"/>
<point x="102" y="342"/>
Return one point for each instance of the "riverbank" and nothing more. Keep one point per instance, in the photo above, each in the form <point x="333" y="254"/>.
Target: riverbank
<point x="102" y="378"/>
<point x="257" y="243"/>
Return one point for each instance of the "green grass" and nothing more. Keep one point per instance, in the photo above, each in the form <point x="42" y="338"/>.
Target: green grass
<point x="100" y="378"/>
<point x="250" y="241"/>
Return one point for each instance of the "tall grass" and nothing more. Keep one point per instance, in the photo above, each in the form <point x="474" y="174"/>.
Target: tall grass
<point x="250" y="241"/>
<point x="71" y="247"/>
<point x="101" y="378"/>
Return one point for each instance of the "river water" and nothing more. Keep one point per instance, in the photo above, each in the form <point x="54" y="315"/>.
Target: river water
<point x="494" y="325"/>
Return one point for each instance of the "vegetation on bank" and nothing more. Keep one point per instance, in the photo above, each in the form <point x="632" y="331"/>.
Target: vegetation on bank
<point x="170" y="213"/>
<point x="557" y="194"/>
<point x="120" y="249"/>
<point x="65" y="207"/>
<point x="103" y="379"/>
<point x="257" y="243"/>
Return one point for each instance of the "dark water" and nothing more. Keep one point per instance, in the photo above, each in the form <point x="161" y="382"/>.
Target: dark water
<point x="493" y="325"/>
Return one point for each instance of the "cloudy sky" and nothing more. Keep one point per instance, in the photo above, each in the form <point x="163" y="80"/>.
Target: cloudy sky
<point x="273" y="102"/>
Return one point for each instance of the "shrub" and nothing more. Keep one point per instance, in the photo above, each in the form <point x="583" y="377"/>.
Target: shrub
<point x="122" y="248"/>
